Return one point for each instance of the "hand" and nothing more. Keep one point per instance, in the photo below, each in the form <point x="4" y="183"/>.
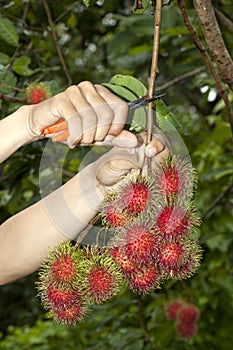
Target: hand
<point x="91" y="111"/>
<point x="119" y="161"/>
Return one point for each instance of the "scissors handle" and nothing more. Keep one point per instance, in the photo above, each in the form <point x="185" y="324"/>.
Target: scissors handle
<point x="62" y="127"/>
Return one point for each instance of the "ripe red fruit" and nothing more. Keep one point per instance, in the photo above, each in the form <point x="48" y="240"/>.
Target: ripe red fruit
<point x="102" y="284"/>
<point x="175" y="178"/>
<point x="138" y="243"/>
<point x="113" y="216"/>
<point x="172" y="309"/>
<point x="122" y="260"/>
<point x="144" y="278"/>
<point x="171" y="256"/>
<point x="186" y="330"/>
<point x="173" y="222"/>
<point x="37" y="92"/>
<point x="63" y="269"/>
<point x="69" y="315"/>
<point x="188" y="314"/>
<point x="59" y="297"/>
<point x="136" y="196"/>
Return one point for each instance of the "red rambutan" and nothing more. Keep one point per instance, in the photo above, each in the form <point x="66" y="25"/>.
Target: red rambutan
<point x="138" y="243"/>
<point x="69" y="315"/>
<point x="172" y="309"/>
<point x="37" y="92"/>
<point x="144" y="279"/>
<point x="179" y="260"/>
<point x="59" y="297"/>
<point x="188" y="314"/>
<point x="114" y="216"/>
<point x="103" y="279"/>
<point x="174" y="222"/>
<point x="122" y="260"/>
<point x="186" y="330"/>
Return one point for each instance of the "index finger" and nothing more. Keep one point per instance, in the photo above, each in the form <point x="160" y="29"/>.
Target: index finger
<point x="119" y="108"/>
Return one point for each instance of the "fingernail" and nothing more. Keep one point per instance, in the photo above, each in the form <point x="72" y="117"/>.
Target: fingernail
<point x="151" y="152"/>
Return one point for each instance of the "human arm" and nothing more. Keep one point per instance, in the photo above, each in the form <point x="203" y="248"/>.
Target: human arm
<point x="27" y="237"/>
<point x="91" y="111"/>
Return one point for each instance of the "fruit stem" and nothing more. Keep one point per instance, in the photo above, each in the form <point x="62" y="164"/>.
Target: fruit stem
<point x="154" y="66"/>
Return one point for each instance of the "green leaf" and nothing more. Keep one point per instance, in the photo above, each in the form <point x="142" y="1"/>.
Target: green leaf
<point x="20" y="66"/>
<point x="7" y="32"/>
<point x="129" y="82"/>
<point x="121" y="91"/>
<point x="4" y="59"/>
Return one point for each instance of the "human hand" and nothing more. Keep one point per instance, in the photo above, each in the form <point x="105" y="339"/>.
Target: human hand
<point x="92" y="112"/>
<point x="112" y="166"/>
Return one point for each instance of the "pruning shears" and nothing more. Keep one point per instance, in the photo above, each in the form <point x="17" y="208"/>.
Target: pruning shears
<point x="62" y="126"/>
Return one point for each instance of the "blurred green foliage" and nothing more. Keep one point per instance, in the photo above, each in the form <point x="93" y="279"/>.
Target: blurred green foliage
<point x="102" y="42"/>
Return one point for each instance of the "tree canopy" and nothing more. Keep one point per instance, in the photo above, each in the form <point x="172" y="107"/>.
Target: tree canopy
<point x="62" y="43"/>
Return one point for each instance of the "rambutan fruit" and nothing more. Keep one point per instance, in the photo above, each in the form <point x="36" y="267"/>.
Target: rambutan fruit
<point x="37" y="92"/>
<point x="103" y="278"/>
<point x="70" y="315"/>
<point x="186" y="330"/>
<point x="173" y="308"/>
<point x="113" y="216"/>
<point x="179" y="260"/>
<point x="175" y="178"/>
<point x="144" y="279"/>
<point x="122" y="260"/>
<point x="188" y="314"/>
<point x="134" y="194"/>
<point x="61" y="266"/>
<point x="174" y="221"/>
<point x="137" y="242"/>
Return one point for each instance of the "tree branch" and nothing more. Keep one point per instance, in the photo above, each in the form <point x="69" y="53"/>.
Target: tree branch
<point x="9" y="98"/>
<point x="214" y="39"/>
<point x="226" y="22"/>
<point x="222" y="91"/>
<point x="180" y="78"/>
<point x="154" y="66"/>
<point x="51" y="24"/>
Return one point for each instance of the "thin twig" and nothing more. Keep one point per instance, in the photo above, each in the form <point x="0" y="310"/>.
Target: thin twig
<point x="9" y="98"/>
<point x="143" y="319"/>
<point x="51" y="24"/>
<point x="154" y="66"/>
<point x="217" y="200"/>
<point x="220" y="87"/>
<point x="180" y="78"/>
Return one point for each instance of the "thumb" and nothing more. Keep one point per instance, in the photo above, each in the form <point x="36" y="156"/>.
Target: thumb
<point x="125" y="140"/>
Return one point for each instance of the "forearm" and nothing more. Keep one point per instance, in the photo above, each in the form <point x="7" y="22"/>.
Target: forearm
<point x="28" y="236"/>
<point x="15" y="132"/>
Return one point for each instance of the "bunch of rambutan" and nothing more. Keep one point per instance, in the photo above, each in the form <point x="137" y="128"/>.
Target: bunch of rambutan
<point x="154" y="224"/>
<point x="72" y="279"/>
<point x="185" y="316"/>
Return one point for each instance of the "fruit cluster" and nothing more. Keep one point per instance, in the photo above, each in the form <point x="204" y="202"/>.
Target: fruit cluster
<point x="152" y="225"/>
<point x="185" y="316"/>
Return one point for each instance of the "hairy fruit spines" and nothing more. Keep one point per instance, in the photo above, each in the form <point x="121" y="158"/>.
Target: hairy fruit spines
<point x="37" y="92"/>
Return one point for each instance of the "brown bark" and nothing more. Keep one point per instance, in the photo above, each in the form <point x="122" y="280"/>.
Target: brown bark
<point x="214" y="39"/>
